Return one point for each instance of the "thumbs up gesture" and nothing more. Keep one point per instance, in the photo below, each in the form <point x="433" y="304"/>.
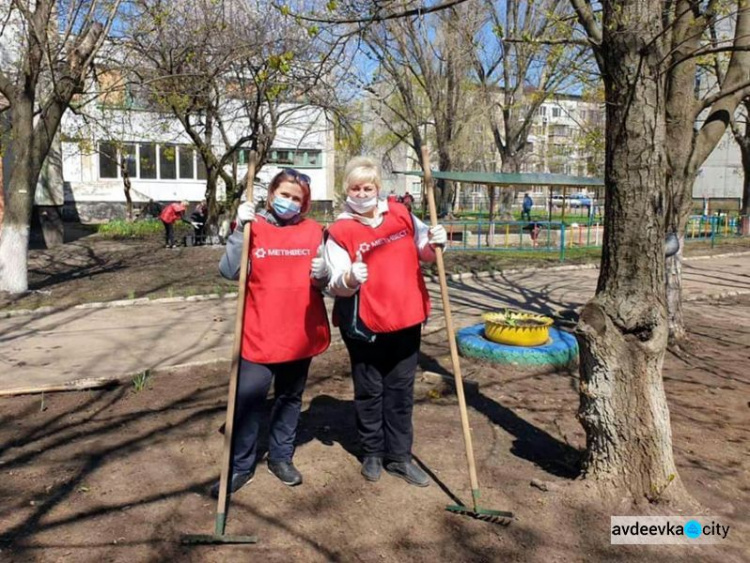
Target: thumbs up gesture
<point x="357" y="274"/>
<point x="319" y="268"/>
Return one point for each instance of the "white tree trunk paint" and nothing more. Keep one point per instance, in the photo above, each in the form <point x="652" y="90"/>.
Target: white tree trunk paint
<point x="14" y="244"/>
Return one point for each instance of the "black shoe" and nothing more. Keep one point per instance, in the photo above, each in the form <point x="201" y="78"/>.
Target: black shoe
<point x="286" y="472"/>
<point x="409" y="472"/>
<point x="372" y="466"/>
<point x="238" y="480"/>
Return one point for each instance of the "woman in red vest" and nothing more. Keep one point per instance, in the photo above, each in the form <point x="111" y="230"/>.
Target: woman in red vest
<point x="285" y="322"/>
<point x="373" y="251"/>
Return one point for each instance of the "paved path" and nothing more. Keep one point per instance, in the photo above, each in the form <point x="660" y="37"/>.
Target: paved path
<point x="118" y="342"/>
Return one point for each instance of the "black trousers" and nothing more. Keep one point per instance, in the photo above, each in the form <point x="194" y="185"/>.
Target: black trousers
<point x="168" y="233"/>
<point x="383" y="373"/>
<point x="289" y="380"/>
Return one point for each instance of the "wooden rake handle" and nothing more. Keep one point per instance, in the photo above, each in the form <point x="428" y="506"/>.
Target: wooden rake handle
<point x="450" y="331"/>
<point x="234" y="370"/>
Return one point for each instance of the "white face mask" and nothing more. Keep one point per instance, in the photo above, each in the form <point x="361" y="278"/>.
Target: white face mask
<point x="362" y="205"/>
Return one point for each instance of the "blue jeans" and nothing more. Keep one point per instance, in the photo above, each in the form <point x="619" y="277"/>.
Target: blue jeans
<point x="289" y="380"/>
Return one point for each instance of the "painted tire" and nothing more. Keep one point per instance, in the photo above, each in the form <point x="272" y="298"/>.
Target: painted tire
<point x="560" y="351"/>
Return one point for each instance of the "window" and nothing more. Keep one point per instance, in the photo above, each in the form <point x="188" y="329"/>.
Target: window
<point x="307" y="158"/>
<point x="107" y="160"/>
<point x="147" y="160"/>
<point x="541" y="111"/>
<point x="187" y="166"/>
<point x="168" y="162"/>
<point x="141" y="161"/>
<point x="556" y="112"/>
<point x="279" y="156"/>
<point x="302" y="158"/>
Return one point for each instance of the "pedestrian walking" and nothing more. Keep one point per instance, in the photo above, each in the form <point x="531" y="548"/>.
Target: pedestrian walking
<point x="526" y="206"/>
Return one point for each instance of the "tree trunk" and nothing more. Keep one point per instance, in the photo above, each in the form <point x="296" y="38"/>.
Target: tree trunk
<point x="744" y="145"/>
<point x="623" y="329"/>
<point x="493" y="198"/>
<point x="511" y="165"/>
<point x="126" y="188"/>
<point x="2" y="188"/>
<point x="677" y="184"/>
<point x="677" y="332"/>
<point x="444" y="187"/>
<point x="212" y="179"/>
<point x="14" y="237"/>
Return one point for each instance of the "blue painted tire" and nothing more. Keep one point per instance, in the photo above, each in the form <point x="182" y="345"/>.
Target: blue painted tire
<point x="560" y="351"/>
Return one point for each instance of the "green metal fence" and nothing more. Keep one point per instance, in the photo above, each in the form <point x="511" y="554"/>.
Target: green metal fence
<point x="558" y="237"/>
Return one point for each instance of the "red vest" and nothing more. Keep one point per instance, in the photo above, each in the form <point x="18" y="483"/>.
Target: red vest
<point x="394" y="296"/>
<point x="171" y="213"/>
<point x="285" y="317"/>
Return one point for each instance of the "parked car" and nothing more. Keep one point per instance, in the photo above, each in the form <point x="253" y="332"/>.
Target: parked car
<point x="573" y="200"/>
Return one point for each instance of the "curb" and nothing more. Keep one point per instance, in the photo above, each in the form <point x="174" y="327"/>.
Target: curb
<point x="493" y="274"/>
<point x="716" y="296"/>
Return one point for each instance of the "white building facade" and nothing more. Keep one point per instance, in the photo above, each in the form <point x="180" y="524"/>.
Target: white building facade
<point x="163" y="165"/>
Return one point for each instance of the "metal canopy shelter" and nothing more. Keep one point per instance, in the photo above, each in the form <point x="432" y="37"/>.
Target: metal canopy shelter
<point x="511" y="180"/>
<point x="516" y="181"/>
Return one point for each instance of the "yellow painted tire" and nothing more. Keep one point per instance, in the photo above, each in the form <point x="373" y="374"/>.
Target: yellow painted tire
<point x="497" y="329"/>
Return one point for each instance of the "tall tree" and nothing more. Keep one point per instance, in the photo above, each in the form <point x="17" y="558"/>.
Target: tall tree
<point x="232" y="73"/>
<point x="421" y="80"/>
<point x="48" y="51"/>
<point x="646" y="51"/>
<point x="698" y="118"/>
<point x="623" y="329"/>
<point x="516" y="74"/>
<point x="741" y="133"/>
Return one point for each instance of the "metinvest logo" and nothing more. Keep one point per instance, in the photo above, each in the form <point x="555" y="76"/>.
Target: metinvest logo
<point x="691" y="530"/>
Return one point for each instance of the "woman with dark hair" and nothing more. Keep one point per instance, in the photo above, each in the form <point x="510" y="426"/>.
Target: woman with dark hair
<point x="285" y="322"/>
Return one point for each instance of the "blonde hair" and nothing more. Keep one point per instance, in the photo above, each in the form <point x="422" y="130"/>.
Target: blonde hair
<point x="361" y="170"/>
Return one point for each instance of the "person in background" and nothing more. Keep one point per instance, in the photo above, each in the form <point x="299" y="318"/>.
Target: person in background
<point x="373" y="251"/>
<point x="392" y="197"/>
<point x="198" y="219"/>
<point x="285" y="322"/>
<point x="169" y="216"/>
<point x="528" y="203"/>
<point x="408" y="200"/>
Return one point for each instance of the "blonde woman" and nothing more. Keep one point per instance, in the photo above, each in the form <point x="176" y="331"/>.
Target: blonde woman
<point x="373" y="252"/>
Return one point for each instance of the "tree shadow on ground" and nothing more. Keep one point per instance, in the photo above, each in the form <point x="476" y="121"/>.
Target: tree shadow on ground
<point x="531" y="442"/>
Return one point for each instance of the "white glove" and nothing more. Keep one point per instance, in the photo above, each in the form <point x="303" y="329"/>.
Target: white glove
<point x="319" y="268"/>
<point x="357" y="272"/>
<point x="437" y="235"/>
<point x="245" y="214"/>
<point x="195" y="225"/>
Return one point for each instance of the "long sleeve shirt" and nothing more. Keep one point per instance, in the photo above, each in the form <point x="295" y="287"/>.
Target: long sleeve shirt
<point x="231" y="261"/>
<point x="338" y="259"/>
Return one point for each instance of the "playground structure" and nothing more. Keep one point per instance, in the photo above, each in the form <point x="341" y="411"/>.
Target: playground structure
<point x="557" y="232"/>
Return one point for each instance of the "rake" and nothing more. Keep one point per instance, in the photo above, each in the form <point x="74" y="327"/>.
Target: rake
<point x="474" y="511"/>
<point x="220" y="536"/>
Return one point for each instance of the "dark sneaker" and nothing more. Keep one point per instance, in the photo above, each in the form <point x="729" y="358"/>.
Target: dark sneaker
<point x="286" y="472"/>
<point x="238" y="480"/>
<point x="372" y="466"/>
<point x="409" y="472"/>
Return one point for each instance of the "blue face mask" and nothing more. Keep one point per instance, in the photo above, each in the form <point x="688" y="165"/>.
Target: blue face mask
<point x="285" y="208"/>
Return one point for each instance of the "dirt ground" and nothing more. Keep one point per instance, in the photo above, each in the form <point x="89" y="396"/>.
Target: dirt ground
<point x="92" y="268"/>
<point x="120" y="474"/>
